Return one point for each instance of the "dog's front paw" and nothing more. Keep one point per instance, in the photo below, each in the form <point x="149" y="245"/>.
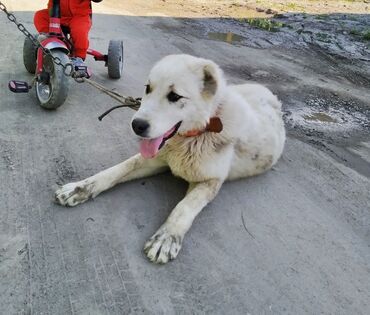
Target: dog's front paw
<point x="162" y="246"/>
<point x="72" y="194"/>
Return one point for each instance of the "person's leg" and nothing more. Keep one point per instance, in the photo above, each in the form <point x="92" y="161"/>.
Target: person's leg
<point x="80" y="27"/>
<point x="41" y="21"/>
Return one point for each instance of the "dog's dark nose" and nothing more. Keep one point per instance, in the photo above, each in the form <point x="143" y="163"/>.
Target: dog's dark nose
<point x="140" y="126"/>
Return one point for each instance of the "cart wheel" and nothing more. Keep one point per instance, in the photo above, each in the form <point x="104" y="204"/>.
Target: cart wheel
<point x="29" y="55"/>
<point x="53" y="89"/>
<point x="115" y="59"/>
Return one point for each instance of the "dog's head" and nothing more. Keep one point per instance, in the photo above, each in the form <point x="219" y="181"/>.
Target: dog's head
<point x="182" y="94"/>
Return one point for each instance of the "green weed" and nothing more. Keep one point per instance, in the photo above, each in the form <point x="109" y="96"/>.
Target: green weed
<point x="265" y="24"/>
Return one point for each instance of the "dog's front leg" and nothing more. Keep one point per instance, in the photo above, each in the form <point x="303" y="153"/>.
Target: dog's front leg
<point x="165" y="244"/>
<point x="135" y="167"/>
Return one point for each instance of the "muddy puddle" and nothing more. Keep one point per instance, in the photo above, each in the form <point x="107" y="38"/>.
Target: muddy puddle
<point x="330" y="119"/>
<point x="320" y="117"/>
<point x="228" y="37"/>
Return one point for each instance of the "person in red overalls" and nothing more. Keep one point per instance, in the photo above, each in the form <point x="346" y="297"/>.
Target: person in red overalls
<point x="75" y="14"/>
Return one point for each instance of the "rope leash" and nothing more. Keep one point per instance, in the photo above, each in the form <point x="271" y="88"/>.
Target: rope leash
<point x="125" y="101"/>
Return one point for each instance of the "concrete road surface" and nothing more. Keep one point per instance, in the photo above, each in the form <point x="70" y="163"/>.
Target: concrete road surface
<point x="293" y="241"/>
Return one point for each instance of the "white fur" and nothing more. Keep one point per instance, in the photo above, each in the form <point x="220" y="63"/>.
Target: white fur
<point x="251" y="142"/>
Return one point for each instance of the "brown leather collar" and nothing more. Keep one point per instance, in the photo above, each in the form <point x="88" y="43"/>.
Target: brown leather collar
<point x="214" y="125"/>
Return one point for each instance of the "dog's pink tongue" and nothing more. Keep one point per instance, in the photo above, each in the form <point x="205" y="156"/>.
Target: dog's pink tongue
<point x="150" y="147"/>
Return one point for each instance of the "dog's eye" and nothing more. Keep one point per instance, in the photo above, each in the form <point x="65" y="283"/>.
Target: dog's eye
<point x="148" y="89"/>
<point x="173" y="97"/>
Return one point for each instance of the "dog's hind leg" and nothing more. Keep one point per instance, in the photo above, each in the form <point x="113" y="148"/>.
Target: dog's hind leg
<point x="135" y="167"/>
<point x="165" y="244"/>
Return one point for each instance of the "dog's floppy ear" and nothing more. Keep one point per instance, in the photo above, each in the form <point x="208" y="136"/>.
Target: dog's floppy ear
<point x="210" y="80"/>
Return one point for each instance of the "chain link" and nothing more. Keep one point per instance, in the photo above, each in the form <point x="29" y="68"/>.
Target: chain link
<point x="68" y="68"/>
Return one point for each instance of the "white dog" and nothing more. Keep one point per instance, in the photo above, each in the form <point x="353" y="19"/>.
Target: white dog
<point x="204" y="131"/>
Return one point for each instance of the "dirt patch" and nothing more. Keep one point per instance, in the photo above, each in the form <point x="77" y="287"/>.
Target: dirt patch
<point x="330" y="116"/>
<point x="338" y="34"/>
<point x="64" y="169"/>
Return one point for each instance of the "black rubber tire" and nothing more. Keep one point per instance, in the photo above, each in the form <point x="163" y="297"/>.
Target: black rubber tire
<point x="115" y="59"/>
<point x="58" y="83"/>
<point x="29" y="55"/>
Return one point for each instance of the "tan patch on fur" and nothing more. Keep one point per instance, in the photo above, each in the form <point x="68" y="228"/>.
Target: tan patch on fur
<point x="210" y="84"/>
<point x="220" y="145"/>
<point x="186" y="154"/>
<point x="241" y="148"/>
<point x="264" y="163"/>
